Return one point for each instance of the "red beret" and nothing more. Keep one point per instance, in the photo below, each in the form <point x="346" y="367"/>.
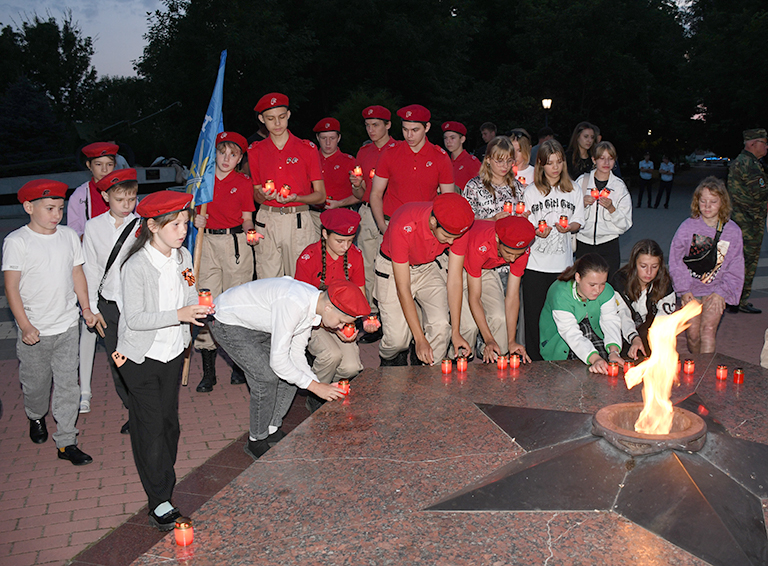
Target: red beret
<point x="378" y="112"/>
<point x="414" y="113"/>
<point x="457" y="127"/>
<point x="100" y="149"/>
<point x="233" y="137"/>
<point x="163" y="202"/>
<point x="342" y="221"/>
<point x="515" y="232"/>
<point x="453" y="213"/>
<point x="271" y="100"/>
<point x="327" y="125"/>
<point x="115" y="177"/>
<point x="42" y="188"/>
<point x="348" y="298"/>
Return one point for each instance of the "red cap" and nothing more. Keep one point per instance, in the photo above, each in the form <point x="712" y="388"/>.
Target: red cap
<point x="414" y="113"/>
<point x="271" y="100"/>
<point x="327" y="125"/>
<point x="233" y="137"/>
<point x="115" y="177"/>
<point x="515" y="232"/>
<point x="453" y="213"/>
<point x="341" y="221"/>
<point x="457" y="127"/>
<point x="100" y="149"/>
<point x="378" y="112"/>
<point x="42" y="188"/>
<point x="348" y="298"/>
<point x="163" y="202"/>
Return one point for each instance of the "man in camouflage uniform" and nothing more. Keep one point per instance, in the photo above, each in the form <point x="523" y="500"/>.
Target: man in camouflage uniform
<point x="748" y="187"/>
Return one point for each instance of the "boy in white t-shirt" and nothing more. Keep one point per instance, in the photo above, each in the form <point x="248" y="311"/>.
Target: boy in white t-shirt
<point x="43" y="269"/>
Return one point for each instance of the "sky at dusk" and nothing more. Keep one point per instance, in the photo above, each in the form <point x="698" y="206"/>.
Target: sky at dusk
<point x="116" y="27"/>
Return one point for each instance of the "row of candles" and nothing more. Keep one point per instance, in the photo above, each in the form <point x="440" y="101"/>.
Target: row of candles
<point x="519" y="208"/>
<point x="502" y="362"/>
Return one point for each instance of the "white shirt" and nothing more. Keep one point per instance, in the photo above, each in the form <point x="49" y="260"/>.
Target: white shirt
<point x="667" y="171"/>
<point x="282" y="307"/>
<point x="99" y="239"/>
<point x="601" y="226"/>
<point x="169" y="341"/>
<point x="46" y="262"/>
<point x="525" y="176"/>
<point x="666" y="305"/>
<point x="646" y="165"/>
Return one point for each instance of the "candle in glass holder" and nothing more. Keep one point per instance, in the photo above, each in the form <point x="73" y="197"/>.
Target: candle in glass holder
<point x="348" y="330"/>
<point x="461" y="363"/>
<point x="204" y="298"/>
<point x="679" y="365"/>
<point x="514" y="361"/>
<point x="722" y="372"/>
<point x="628" y="366"/>
<point x="688" y="366"/>
<point x="447" y="365"/>
<point x="738" y="375"/>
<point x="514" y="170"/>
<point x="183" y="531"/>
<point x="372" y="174"/>
<point x="508" y="207"/>
<point x="285" y="191"/>
<point x="358" y="171"/>
<point x="613" y="369"/>
<point x="564" y="221"/>
<point x="520" y="208"/>
<point x="542" y="225"/>
<point x="269" y="186"/>
<point x="253" y="236"/>
<point x="501" y="362"/>
<point x="343" y="384"/>
<point x="605" y="193"/>
<point x="374" y="320"/>
<point x="595" y="194"/>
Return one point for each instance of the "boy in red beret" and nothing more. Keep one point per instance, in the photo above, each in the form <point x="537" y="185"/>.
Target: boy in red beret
<point x="476" y="298"/>
<point x="226" y="260"/>
<point x="287" y="178"/>
<point x="265" y="326"/>
<point x="408" y="271"/>
<point x="412" y="171"/>
<point x="43" y="269"/>
<point x="465" y="165"/>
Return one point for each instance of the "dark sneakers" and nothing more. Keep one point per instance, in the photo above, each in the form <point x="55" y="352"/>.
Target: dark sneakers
<point x="749" y="309"/>
<point x="256" y="448"/>
<point x="74" y="455"/>
<point x="38" y="432"/>
<point x="238" y="375"/>
<point x="165" y="522"/>
<point x="275" y="437"/>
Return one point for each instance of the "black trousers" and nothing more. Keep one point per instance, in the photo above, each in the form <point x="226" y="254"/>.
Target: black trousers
<point x="645" y="184"/>
<point x="153" y="410"/>
<point x="535" y="287"/>
<point x="111" y="314"/>
<point x="609" y="251"/>
<point x="664" y="187"/>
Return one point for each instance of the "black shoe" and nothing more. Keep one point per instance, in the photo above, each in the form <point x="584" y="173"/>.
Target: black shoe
<point x="749" y="309"/>
<point x="371" y="337"/>
<point x="639" y="205"/>
<point x="733" y="309"/>
<point x="666" y="206"/>
<point x="313" y="403"/>
<point x="165" y="523"/>
<point x="74" y="455"/>
<point x="401" y="359"/>
<point x="275" y="437"/>
<point x="209" y="371"/>
<point x="238" y="375"/>
<point x="256" y="448"/>
<point x="38" y="432"/>
<point x="126" y="428"/>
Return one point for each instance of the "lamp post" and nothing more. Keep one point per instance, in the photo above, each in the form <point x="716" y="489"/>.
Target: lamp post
<point x="546" y="103"/>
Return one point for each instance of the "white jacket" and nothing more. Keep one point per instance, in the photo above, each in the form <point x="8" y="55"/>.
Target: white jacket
<point x="601" y="226"/>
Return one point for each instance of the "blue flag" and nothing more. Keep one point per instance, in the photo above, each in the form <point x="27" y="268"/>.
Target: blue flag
<point x="202" y="172"/>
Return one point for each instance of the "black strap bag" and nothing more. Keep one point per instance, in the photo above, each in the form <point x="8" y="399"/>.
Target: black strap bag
<point x="702" y="256"/>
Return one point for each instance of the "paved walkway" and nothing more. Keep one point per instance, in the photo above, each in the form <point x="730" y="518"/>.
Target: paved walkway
<point x="50" y="510"/>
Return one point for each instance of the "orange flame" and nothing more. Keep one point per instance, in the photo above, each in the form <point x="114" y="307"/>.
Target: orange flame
<point x="658" y="372"/>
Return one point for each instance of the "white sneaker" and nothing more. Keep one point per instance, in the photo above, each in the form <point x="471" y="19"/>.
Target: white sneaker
<point x="85" y="404"/>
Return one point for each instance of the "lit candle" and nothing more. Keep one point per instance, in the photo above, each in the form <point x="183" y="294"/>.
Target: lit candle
<point x="679" y="365"/>
<point x="595" y="194"/>
<point x="520" y="207"/>
<point x="447" y="365"/>
<point x="328" y="201"/>
<point x="461" y="363"/>
<point x="501" y="362"/>
<point x="605" y="193"/>
<point x="514" y="170"/>
<point x="204" y="298"/>
<point x="508" y="207"/>
<point x="613" y="369"/>
<point x="542" y="225"/>
<point x="269" y="186"/>
<point x="373" y="320"/>
<point x="372" y="174"/>
<point x="358" y="171"/>
<point x="183" y="531"/>
<point x="514" y="361"/>
<point x="722" y="372"/>
<point x="343" y="384"/>
<point x="738" y="375"/>
<point x="285" y="191"/>
<point x="521" y="180"/>
<point x="628" y="366"/>
<point x="253" y="236"/>
<point x="348" y="330"/>
<point x="688" y="366"/>
<point x="564" y="221"/>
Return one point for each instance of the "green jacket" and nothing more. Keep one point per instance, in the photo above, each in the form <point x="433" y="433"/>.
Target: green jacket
<point x="748" y="184"/>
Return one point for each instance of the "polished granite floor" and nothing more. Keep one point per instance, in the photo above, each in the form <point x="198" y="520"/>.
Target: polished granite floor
<point x="353" y="483"/>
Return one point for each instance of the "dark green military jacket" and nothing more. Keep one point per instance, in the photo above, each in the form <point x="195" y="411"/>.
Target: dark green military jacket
<point x="748" y="184"/>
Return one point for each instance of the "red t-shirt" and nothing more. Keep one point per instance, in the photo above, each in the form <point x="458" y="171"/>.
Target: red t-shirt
<point x="309" y="266"/>
<point x="413" y="177"/>
<point x="481" y="251"/>
<point x="465" y="167"/>
<point x="296" y="165"/>
<point x="368" y="157"/>
<point x="336" y="169"/>
<point x="232" y="196"/>
<point x="408" y="238"/>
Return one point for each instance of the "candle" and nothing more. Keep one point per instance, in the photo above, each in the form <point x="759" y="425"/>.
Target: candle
<point x="595" y="194"/>
<point x="520" y="207"/>
<point x="605" y="193"/>
<point x="689" y="366"/>
<point x="501" y="362"/>
<point x="514" y="361"/>
<point x="461" y="363"/>
<point x="204" y="297"/>
<point x="679" y="365"/>
<point x="269" y="186"/>
<point x="253" y="236"/>
<point x="521" y="180"/>
<point x="349" y="330"/>
<point x="328" y="201"/>
<point x="343" y="384"/>
<point x="738" y="375"/>
<point x="542" y="225"/>
<point x="183" y="531"/>
<point x="628" y="366"/>
<point x="358" y="171"/>
<point x="508" y="207"/>
<point x="372" y="174"/>
<point x="447" y="365"/>
<point x="613" y="369"/>
<point x="514" y="170"/>
<point x="564" y="221"/>
<point x="285" y="191"/>
<point x="373" y="320"/>
<point x="722" y="372"/>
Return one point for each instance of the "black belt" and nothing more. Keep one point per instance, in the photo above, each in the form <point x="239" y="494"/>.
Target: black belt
<point x="382" y="254"/>
<point x="234" y="230"/>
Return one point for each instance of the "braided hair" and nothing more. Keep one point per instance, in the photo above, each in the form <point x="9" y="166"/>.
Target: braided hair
<point x="323" y="285"/>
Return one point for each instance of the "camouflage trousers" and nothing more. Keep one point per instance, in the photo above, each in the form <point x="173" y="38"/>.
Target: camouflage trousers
<point x="752" y="224"/>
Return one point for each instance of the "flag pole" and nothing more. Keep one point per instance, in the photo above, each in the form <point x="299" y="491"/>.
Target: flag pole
<point x="196" y="267"/>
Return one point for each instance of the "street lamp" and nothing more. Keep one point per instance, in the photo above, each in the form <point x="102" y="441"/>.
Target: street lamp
<point x="546" y="103"/>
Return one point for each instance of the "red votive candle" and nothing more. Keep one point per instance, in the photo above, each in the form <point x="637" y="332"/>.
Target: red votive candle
<point x="343" y="384"/>
<point x="564" y="221"/>
<point x="358" y="171"/>
<point x="605" y="193"/>
<point x="520" y="208"/>
<point x="348" y="330"/>
<point x="688" y="366"/>
<point x="461" y="363"/>
<point x="628" y="366"/>
<point x="372" y="174"/>
<point x="722" y="372"/>
<point x="204" y="298"/>
<point x="447" y="365"/>
<point x="514" y="170"/>
<point x="183" y="531"/>
<point x="373" y="319"/>
<point x="501" y="362"/>
<point x="253" y="236"/>
<point x="542" y="225"/>
<point x="738" y="375"/>
<point x="508" y="207"/>
<point x="514" y="361"/>
<point x="613" y="369"/>
<point x="269" y="186"/>
<point x="285" y="191"/>
<point x="595" y="194"/>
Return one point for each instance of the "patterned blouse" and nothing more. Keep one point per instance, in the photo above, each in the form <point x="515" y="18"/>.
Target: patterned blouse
<point x="484" y="204"/>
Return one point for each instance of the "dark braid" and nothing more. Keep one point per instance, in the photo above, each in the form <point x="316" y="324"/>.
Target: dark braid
<point x="323" y="286"/>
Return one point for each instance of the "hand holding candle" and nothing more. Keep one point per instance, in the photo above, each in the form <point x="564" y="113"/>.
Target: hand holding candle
<point x="508" y="207"/>
<point x="204" y="298"/>
<point x="253" y="237"/>
<point x="285" y="191"/>
<point x="371" y="324"/>
<point x="563" y="221"/>
<point x="358" y="171"/>
<point x="349" y="330"/>
<point x="542" y="226"/>
<point x="343" y="384"/>
<point x="269" y="187"/>
<point x="595" y="194"/>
